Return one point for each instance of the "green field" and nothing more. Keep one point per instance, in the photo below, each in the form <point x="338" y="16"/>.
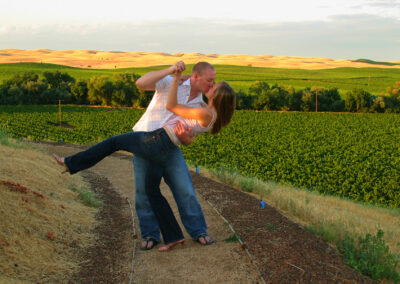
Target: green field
<point x="373" y="80"/>
<point x="351" y="155"/>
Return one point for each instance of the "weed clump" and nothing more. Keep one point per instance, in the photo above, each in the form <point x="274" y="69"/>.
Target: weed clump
<point x="371" y="256"/>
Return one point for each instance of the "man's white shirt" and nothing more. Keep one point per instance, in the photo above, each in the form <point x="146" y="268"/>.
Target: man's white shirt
<point x="156" y="114"/>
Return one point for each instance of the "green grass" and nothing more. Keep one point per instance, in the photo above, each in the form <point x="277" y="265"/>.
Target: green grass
<point x="234" y="238"/>
<point x="5" y="140"/>
<point x="373" y="80"/>
<point x="88" y="197"/>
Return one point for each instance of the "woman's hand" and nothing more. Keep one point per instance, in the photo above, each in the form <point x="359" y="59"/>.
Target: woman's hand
<point x="178" y="68"/>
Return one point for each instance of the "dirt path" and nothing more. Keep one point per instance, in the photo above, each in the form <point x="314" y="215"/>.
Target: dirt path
<point x="281" y="251"/>
<point x="222" y="262"/>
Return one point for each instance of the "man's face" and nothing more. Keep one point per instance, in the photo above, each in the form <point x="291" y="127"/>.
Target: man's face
<point x="206" y="80"/>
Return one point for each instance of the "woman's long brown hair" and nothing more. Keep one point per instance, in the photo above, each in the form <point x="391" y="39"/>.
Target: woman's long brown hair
<point x="224" y="102"/>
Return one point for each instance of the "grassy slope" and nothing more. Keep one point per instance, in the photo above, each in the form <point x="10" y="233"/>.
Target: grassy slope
<point x="44" y="227"/>
<point x="373" y="80"/>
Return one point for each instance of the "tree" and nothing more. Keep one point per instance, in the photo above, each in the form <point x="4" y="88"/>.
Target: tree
<point x="281" y="98"/>
<point x="308" y="100"/>
<point x="23" y="88"/>
<point x="144" y="98"/>
<point x="33" y="91"/>
<point x="58" y="80"/>
<point x="80" y="92"/>
<point x="394" y="91"/>
<point x="379" y="104"/>
<point x="358" y="100"/>
<point x="259" y="90"/>
<point x="13" y="96"/>
<point x="100" y="90"/>
<point x="295" y="101"/>
<point x="125" y="92"/>
<point x="243" y="101"/>
<point x="20" y="79"/>
<point x="351" y="104"/>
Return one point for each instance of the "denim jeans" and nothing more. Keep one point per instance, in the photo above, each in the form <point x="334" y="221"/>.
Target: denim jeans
<point x="177" y="176"/>
<point x="155" y="157"/>
<point x="149" y="145"/>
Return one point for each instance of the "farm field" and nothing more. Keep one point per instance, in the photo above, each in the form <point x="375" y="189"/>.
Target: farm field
<point x="356" y="156"/>
<point x="372" y="80"/>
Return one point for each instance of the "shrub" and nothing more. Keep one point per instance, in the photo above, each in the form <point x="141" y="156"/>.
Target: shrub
<point x="371" y="256"/>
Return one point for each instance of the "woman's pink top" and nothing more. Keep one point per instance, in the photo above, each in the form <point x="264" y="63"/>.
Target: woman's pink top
<point x="194" y="124"/>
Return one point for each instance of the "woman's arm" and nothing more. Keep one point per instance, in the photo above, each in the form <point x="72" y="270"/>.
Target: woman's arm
<point x="203" y="115"/>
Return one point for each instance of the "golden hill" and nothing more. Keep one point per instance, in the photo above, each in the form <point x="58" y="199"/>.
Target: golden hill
<point x="116" y="59"/>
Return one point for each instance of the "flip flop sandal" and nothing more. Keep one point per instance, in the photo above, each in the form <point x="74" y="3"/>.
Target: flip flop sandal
<point x="147" y="240"/>
<point x="211" y="241"/>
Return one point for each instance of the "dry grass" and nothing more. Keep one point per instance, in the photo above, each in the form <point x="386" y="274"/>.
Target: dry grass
<point x="43" y="224"/>
<point x="111" y="60"/>
<point x="343" y="216"/>
<point x="309" y="209"/>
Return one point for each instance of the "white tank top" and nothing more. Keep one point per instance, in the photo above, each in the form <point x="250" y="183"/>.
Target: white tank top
<point x="187" y="122"/>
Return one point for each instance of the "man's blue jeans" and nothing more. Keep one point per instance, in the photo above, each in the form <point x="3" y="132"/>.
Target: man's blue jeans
<point x="155" y="157"/>
<point x="177" y="176"/>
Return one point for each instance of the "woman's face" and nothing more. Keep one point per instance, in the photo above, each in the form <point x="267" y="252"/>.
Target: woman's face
<point x="210" y="94"/>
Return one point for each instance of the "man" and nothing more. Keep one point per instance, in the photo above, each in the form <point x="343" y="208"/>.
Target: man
<point x="176" y="173"/>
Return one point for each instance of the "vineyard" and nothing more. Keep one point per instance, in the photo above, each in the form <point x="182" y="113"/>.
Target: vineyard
<point x="356" y="156"/>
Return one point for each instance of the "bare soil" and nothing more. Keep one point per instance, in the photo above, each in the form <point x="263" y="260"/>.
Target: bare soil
<point x="273" y="250"/>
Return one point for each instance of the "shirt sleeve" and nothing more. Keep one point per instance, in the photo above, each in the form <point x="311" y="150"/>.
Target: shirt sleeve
<point x="164" y="83"/>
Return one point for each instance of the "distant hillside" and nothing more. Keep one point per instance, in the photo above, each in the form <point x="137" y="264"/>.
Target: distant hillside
<point x="368" y="61"/>
<point x="116" y="60"/>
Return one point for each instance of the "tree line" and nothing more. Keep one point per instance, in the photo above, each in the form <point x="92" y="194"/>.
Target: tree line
<point x="28" y="89"/>
<point x="262" y="96"/>
<point x="121" y="90"/>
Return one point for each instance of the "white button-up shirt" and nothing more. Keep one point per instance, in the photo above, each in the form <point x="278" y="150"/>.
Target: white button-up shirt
<point x="156" y="114"/>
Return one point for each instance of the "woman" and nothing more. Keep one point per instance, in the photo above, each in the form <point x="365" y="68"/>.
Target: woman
<point x="150" y="145"/>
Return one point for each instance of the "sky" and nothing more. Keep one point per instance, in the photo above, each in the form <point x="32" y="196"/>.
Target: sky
<point x="337" y="29"/>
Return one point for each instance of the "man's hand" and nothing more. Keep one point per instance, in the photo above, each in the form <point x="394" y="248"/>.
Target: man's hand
<point x="183" y="134"/>
<point x="183" y="79"/>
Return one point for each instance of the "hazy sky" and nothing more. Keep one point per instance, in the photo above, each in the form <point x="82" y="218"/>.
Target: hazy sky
<point x="339" y="29"/>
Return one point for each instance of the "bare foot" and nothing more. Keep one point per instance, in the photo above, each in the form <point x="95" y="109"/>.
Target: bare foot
<point x="171" y="245"/>
<point x="60" y="160"/>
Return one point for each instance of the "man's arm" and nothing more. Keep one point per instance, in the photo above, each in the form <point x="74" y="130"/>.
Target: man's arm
<point x="148" y="81"/>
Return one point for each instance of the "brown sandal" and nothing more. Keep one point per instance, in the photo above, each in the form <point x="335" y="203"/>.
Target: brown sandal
<point x="204" y="237"/>
<point x="146" y="241"/>
<point x="170" y="245"/>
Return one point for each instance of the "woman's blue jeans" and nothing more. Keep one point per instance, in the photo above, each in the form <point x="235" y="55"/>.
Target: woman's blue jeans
<point x="158" y="157"/>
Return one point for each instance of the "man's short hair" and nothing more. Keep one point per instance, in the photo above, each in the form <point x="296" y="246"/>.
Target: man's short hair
<point x="199" y="67"/>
